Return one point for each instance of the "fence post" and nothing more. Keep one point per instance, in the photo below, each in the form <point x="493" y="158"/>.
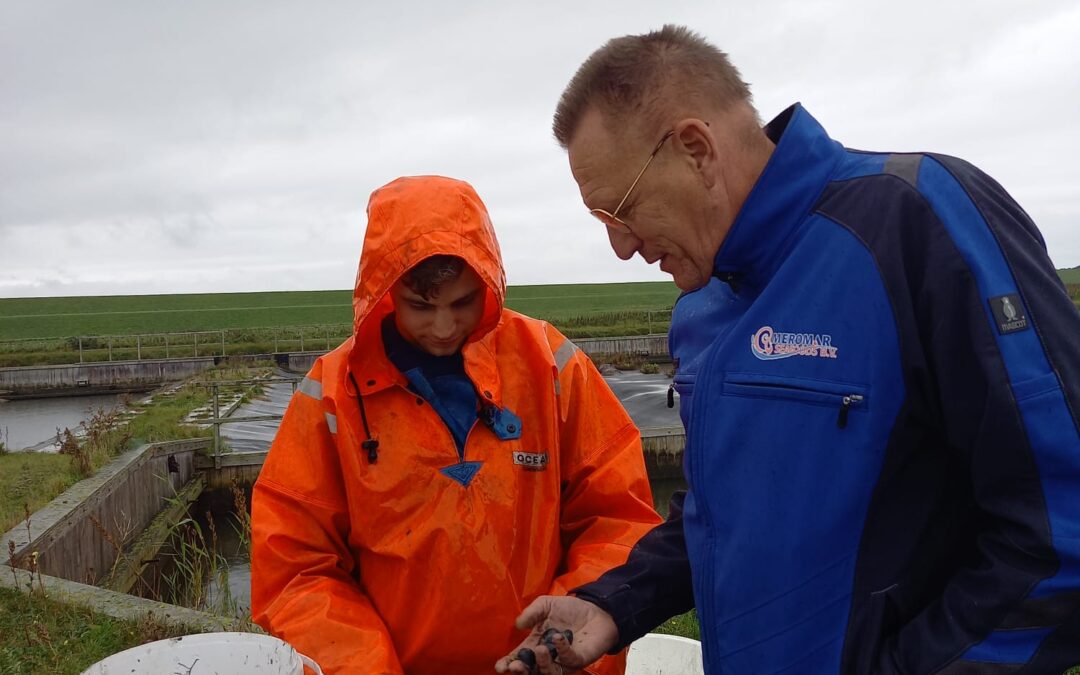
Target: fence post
<point x="223" y="344"/>
<point x="196" y="344"/>
<point x="110" y="349"/>
<point x="648" y="315"/>
<point x="80" y="349"/>
<point x="326" y="330"/>
<point x="166" y="345"/>
<point x="217" y="429"/>
<point x="301" y="339"/>
<point x="138" y="347"/>
<point x="275" y="342"/>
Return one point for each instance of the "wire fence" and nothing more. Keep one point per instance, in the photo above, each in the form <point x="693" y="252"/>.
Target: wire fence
<point x="275" y="340"/>
<point x="153" y="346"/>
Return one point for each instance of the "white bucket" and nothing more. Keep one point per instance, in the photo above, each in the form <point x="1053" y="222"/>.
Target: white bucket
<point x="657" y="654"/>
<point x="208" y="654"/>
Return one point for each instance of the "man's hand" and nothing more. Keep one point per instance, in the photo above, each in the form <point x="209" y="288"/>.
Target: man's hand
<point x="594" y="634"/>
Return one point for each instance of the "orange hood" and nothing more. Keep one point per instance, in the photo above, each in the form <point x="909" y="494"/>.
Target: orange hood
<point x="416" y="217"/>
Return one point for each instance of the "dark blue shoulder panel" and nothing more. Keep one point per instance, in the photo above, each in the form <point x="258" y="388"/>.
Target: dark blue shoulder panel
<point x="962" y="419"/>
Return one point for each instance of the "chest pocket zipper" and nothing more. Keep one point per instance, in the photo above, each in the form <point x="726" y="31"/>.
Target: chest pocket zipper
<point x="845" y="397"/>
<point x="845" y="406"/>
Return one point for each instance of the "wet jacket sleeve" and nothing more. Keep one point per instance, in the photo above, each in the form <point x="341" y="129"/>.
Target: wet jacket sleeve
<point x="1002" y="377"/>
<point x="654" y="583"/>
<point x="303" y="581"/>
<point x="606" y="499"/>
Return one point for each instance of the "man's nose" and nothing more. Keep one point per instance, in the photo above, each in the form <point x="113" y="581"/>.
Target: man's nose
<point x="444" y="325"/>
<point x="625" y="244"/>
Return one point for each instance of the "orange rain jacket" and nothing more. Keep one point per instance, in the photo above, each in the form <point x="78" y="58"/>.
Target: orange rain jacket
<point x="393" y="567"/>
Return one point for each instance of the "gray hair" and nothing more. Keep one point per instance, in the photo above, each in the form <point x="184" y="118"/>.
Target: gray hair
<point x="631" y="74"/>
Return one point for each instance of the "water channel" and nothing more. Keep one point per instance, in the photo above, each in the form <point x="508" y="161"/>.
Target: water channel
<point x="31" y="424"/>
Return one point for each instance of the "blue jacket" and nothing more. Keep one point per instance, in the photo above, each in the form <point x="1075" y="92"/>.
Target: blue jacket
<point x="881" y="391"/>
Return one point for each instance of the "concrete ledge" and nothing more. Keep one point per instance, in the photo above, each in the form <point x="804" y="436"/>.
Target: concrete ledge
<point x="298" y="362"/>
<point x="664" y="444"/>
<point x="120" y="605"/>
<point x="653" y="346"/>
<point x="252" y="458"/>
<point x="63" y="533"/>
<point x="96" y="378"/>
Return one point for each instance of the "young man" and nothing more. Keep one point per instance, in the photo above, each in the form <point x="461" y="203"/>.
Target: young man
<point x="444" y="466"/>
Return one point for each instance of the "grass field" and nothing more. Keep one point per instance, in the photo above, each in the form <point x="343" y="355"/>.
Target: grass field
<point x="22" y="318"/>
<point x="564" y="305"/>
<point x="1070" y="276"/>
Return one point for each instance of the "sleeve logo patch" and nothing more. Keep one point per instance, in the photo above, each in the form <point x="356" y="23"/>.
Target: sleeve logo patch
<point x="1009" y="313"/>
<point x="532" y="461"/>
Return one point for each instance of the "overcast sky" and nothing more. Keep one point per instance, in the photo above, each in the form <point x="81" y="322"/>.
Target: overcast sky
<point x="176" y="147"/>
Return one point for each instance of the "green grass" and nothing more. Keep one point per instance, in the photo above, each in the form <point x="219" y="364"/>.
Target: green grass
<point x="684" y="625"/>
<point x="22" y="318"/>
<point x="31" y="479"/>
<point x="1070" y="276"/>
<point x="566" y="305"/>
<point x="564" y="301"/>
<point x="125" y="314"/>
<point x="41" y="636"/>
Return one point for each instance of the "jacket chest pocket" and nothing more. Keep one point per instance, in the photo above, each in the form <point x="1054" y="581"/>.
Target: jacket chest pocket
<point x="845" y="398"/>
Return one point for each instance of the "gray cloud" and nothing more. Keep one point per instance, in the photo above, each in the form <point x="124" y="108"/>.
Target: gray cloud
<point x="203" y="146"/>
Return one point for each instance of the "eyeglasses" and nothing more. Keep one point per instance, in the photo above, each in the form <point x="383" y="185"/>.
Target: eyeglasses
<point x="611" y="218"/>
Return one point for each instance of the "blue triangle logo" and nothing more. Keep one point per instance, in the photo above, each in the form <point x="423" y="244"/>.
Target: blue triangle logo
<point x="462" y="472"/>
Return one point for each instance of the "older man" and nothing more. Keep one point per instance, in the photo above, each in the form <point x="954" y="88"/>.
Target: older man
<point x="879" y="374"/>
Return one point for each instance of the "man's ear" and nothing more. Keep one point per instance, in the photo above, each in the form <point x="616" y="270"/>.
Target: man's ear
<point x="694" y="140"/>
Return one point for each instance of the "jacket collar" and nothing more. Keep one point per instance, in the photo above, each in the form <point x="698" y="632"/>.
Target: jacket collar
<point x="374" y="371"/>
<point x="787" y="189"/>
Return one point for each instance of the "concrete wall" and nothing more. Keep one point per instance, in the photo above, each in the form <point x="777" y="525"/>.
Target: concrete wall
<point x="654" y="346"/>
<point x="665" y="445"/>
<point x="298" y="362"/>
<point x="122" y="497"/>
<point x="651" y="345"/>
<point x="96" y="378"/>
<point x="121" y="605"/>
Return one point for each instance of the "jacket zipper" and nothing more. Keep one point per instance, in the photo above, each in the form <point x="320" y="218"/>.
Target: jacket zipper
<point x="845" y="406"/>
<point x="847" y="400"/>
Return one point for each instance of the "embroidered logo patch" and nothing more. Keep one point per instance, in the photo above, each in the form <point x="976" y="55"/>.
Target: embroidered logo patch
<point x="768" y="344"/>
<point x="532" y="461"/>
<point x="1008" y="313"/>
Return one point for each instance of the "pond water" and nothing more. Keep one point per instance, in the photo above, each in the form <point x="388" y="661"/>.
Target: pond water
<point x="233" y="550"/>
<point x="32" y="423"/>
<point x="643" y="396"/>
